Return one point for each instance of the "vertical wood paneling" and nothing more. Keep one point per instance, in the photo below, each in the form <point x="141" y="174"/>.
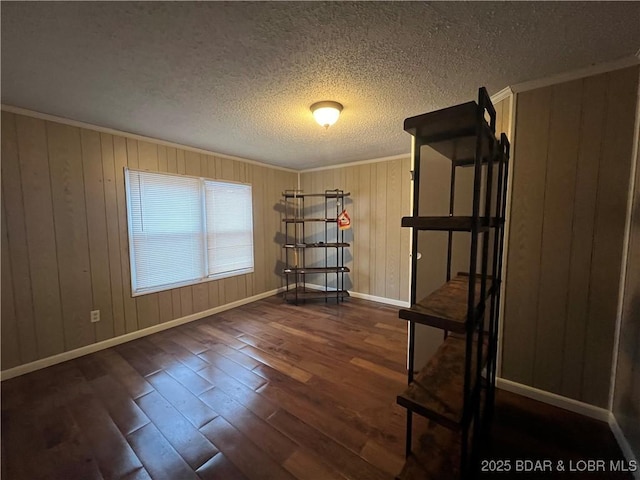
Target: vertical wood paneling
<point x="130" y="310"/>
<point x="72" y="243"/>
<point x="162" y="159"/>
<point x="379" y="251"/>
<point x="365" y="229"/>
<point x="393" y="212"/>
<point x="523" y="263"/>
<point x="192" y="163"/>
<point x="148" y="156"/>
<point x="172" y="162"/>
<point x="562" y="159"/>
<point x="180" y="162"/>
<point x="97" y="232"/>
<point x="186" y="301"/>
<point x="65" y="245"/>
<point x="586" y="181"/>
<point x="200" y="294"/>
<point x="148" y="310"/>
<point x="176" y="302"/>
<point x="211" y="166"/>
<point x="132" y="153"/>
<point x="9" y="328"/>
<point x="17" y="245"/>
<point x="608" y="238"/>
<point x="41" y="239"/>
<point x="372" y="199"/>
<point x="113" y="233"/>
<point x="571" y="185"/>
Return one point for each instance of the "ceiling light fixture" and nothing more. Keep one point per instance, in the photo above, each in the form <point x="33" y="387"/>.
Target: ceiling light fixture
<point x="326" y="113"/>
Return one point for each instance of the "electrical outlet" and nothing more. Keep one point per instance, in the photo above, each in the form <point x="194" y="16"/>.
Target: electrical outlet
<point x="95" y="316"/>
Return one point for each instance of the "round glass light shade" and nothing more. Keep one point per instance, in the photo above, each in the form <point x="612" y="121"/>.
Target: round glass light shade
<point x="326" y="113"/>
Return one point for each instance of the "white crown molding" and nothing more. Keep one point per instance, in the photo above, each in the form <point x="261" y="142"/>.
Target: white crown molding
<point x="359" y="162"/>
<point x="112" y="342"/>
<point x="135" y="136"/>
<point x="506" y="92"/>
<point x="576" y="74"/>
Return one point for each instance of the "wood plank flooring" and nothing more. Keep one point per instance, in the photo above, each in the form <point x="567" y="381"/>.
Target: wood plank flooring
<point x="264" y="391"/>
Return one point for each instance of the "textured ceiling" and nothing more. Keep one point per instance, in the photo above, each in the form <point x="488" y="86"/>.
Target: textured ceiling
<point x="238" y="77"/>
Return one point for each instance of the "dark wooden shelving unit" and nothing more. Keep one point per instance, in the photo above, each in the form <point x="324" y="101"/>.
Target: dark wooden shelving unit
<point x="455" y="389"/>
<point x="445" y="308"/>
<point x="435" y="392"/>
<point x="450" y="224"/>
<point x="296" y="261"/>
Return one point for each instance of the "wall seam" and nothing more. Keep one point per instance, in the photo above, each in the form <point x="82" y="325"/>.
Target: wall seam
<point x="33" y="313"/>
<point x="86" y="215"/>
<point x="55" y="240"/>
<point x="575" y="190"/>
<point x="544" y="199"/>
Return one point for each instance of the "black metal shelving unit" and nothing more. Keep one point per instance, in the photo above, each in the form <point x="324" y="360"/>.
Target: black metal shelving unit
<point x="298" y="242"/>
<point x="455" y="389"/>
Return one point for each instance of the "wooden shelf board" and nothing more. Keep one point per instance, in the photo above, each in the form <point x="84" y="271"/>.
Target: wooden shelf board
<point x="315" y="245"/>
<point x="436" y="457"/>
<point x="302" y="220"/>
<point x="437" y="392"/>
<point x="309" y="270"/>
<point x="317" y="195"/>
<point x="307" y="294"/>
<point x="453" y="132"/>
<point x="446" y="308"/>
<point x="445" y="123"/>
<point x="461" y="150"/>
<point x="455" y="224"/>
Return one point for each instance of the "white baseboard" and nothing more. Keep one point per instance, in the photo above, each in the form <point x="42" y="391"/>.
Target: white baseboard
<point x="95" y="347"/>
<point x="624" y="444"/>
<point x="554" y="399"/>
<point x="364" y="296"/>
<point x="577" y="407"/>
<point x="373" y="298"/>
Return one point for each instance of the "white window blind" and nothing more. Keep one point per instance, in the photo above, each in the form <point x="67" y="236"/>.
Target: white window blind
<point x="184" y="230"/>
<point x="229" y="228"/>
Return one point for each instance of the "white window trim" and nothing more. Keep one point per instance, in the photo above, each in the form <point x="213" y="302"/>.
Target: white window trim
<point x="209" y="278"/>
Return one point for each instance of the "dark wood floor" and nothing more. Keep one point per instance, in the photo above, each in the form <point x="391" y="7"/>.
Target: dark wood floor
<point x="264" y="391"/>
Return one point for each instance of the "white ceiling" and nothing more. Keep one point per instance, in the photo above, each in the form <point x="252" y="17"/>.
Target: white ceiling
<point x="238" y="77"/>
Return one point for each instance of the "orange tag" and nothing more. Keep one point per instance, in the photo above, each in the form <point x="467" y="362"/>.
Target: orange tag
<point x="344" y="221"/>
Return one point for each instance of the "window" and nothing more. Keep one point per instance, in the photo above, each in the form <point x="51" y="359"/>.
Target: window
<point x="185" y="230"/>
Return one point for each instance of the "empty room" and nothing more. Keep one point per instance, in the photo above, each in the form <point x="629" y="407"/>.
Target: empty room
<point x="320" y="240"/>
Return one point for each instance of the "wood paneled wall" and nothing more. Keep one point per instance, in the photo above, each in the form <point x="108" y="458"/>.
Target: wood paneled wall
<point x="64" y="236"/>
<point x="380" y="197"/>
<point x="626" y="404"/>
<point x="573" y="147"/>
